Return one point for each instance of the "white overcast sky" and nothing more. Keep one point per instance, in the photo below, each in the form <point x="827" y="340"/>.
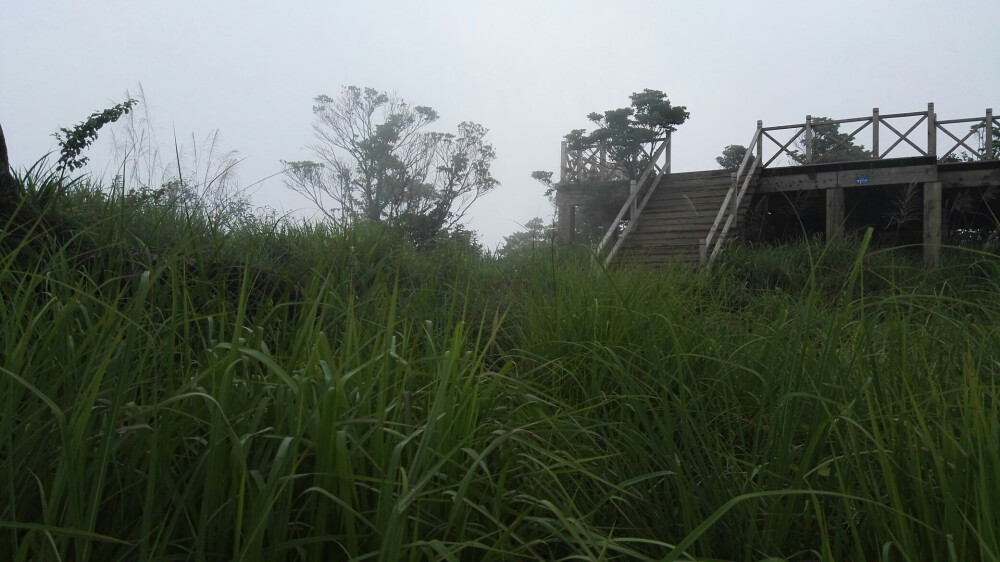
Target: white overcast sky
<point x="530" y="71"/>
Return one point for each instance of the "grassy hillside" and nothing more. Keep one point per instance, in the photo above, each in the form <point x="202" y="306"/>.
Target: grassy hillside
<point x="172" y="388"/>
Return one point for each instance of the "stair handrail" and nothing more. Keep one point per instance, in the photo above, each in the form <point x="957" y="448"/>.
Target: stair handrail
<point x="728" y="212"/>
<point x="633" y="206"/>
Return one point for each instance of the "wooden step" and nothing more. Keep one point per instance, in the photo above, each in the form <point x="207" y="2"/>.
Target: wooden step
<point x="677" y="218"/>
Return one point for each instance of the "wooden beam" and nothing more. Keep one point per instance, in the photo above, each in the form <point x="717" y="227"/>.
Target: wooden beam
<point x="860" y="177"/>
<point x="958" y="175"/>
<point x="932" y="223"/>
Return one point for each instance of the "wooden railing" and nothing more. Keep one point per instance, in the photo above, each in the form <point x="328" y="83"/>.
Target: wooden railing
<point x="983" y="126"/>
<point x="743" y="178"/>
<point x="759" y="154"/>
<point x="640" y="192"/>
<point x="921" y="136"/>
<point x="589" y="163"/>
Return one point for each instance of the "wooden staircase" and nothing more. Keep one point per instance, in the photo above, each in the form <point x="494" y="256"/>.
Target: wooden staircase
<point x="687" y="218"/>
<point x="677" y="218"/>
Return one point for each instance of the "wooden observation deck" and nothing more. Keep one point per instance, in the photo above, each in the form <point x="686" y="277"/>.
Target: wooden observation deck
<point x="690" y="216"/>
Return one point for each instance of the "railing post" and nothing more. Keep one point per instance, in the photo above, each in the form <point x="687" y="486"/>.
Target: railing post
<point x="760" y="140"/>
<point x="875" y="149"/>
<point x="563" y="163"/>
<point x="666" y="153"/>
<point x="809" y="139"/>
<point x="931" y="131"/>
<point x="988" y="142"/>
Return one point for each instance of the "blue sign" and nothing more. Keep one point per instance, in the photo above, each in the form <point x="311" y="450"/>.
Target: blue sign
<point x="861" y="180"/>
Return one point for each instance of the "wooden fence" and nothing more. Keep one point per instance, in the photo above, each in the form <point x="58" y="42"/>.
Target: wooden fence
<point x="888" y="135"/>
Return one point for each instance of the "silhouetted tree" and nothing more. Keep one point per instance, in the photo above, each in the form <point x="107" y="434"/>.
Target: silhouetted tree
<point x="731" y="156"/>
<point x="378" y="162"/>
<point x="536" y="233"/>
<point x="623" y="131"/>
<point x="829" y="145"/>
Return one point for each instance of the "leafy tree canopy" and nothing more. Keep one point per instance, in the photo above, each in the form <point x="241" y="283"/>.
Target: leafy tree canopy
<point x="732" y="156"/>
<point x="74" y="141"/>
<point x="377" y="161"/>
<point x="829" y="145"/>
<point x="536" y="233"/>
<point x="623" y="131"/>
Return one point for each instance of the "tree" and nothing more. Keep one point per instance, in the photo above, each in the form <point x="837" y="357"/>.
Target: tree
<point x="378" y="162"/>
<point x="732" y="156"/>
<point x="624" y="130"/>
<point x="73" y="141"/>
<point x="536" y="233"/>
<point x="829" y="145"/>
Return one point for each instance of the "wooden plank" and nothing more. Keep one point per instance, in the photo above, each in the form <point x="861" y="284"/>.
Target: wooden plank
<point x="860" y="177"/>
<point x="887" y="176"/>
<point x="910" y="114"/>
<point x="969" y="178"/>
<point x="797" y="182"/>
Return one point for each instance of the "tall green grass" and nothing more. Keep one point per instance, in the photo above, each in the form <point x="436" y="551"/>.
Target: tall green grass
<point x="280" y="391"/>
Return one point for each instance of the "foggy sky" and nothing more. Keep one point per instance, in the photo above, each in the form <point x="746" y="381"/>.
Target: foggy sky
<point x="530" y="71"/>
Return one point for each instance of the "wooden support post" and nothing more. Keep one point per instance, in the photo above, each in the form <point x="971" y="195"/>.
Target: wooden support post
<point x="931" y="131"/>
<point x="988" y="140"/>
<point x="809" y="139"/>
<point x="565" y="220"/>
<point x="875" y="149"/>
<point x="834" y="213"/>
<point x="932" y="223"/>
<point x="702" y="253"/>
